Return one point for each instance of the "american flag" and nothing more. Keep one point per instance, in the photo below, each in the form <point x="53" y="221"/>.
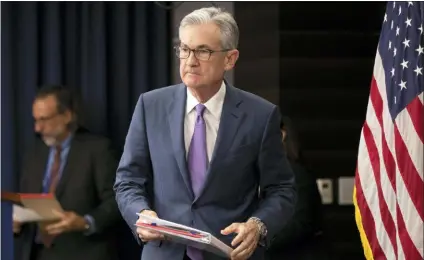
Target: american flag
<point x="389" y="187"/>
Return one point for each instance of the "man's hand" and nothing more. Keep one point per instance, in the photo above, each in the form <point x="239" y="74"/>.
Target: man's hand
<point x="69" y="221"/>
<point x="147" y="235"/>
<point x="247" y="239"/>
<point x="16" y="227"/>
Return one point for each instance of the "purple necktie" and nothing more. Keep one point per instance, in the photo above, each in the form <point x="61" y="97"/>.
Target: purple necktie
<point x="197" y="164"/>
<point x="197" y="155"/>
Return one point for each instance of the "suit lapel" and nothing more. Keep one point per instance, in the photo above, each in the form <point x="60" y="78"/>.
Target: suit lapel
<point x="71" y="162"/>
<point x="230" y="122"/>
<point x="40" y="164"/>
<point x="176" y="115"/>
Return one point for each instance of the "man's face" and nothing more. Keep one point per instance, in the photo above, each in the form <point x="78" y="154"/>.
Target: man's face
<point x="49" y="123"/>
<point x="195" y="72"/>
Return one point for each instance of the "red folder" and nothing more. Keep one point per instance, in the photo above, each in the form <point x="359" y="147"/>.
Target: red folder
<point x="185" y="235"/>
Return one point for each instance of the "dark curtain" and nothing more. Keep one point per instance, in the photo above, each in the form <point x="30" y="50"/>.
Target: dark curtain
<point x="110" y="52"/>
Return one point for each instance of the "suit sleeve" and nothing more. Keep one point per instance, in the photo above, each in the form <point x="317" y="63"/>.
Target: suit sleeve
<point x="23" y="187"/>
<point x="134" y="174"/>
<point x="105" y="163"/>
<point x="276" y="180"/>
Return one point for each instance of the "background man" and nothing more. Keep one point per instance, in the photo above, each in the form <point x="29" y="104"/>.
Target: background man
<point x="79" y="168"/>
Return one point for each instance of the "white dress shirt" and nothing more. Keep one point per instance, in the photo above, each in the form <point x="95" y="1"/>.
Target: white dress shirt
<point x="211" y="115"/>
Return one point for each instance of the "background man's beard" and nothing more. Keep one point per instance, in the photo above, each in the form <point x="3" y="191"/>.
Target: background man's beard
<point x="49" y="140"/>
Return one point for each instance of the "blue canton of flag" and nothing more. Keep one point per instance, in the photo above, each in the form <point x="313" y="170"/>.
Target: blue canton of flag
<point x="401" y="49"/>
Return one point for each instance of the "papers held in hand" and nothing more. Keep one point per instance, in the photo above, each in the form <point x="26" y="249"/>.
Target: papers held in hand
<point x="30" y="207"/>
<point x="23" y="215"/>
<point x="185" y="235"/>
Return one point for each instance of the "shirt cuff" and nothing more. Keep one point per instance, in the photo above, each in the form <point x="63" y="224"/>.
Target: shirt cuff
<point x="91" y="225"/>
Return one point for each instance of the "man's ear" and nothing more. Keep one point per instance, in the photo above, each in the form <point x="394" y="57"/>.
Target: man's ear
<point x="68" y="114"/>
<point x="231" y="59"/>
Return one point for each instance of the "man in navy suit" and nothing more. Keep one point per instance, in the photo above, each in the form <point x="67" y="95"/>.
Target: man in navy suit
<point x="198" y="153"/>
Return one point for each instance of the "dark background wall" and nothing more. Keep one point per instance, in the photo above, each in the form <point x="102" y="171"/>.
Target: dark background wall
<point x="315" y="60"/>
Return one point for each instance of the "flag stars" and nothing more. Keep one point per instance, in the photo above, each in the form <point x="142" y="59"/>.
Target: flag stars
<point x="392" y="72"/>
<point x="418" y="70"/>
<point x="410" y="3"/>
<point x="394" y="52"/>
<point x="404" y="64"/>
<point x="408" y="22"/>
<point x="421" y="29"/>
<point x="390" y="45"/>
<point x="397" y="30"/>
<point x="391" y="26"/>
<point x="420" y="50"/>
<point x="385" y="17"/>
<point x="400" y="10"/>
<point x="406" y="43"/>
<point x="402" y="85"/>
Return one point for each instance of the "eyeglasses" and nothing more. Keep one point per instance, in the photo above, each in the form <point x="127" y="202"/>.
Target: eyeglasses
<point x="45" y="119"/>
<point x="200" y="54"/>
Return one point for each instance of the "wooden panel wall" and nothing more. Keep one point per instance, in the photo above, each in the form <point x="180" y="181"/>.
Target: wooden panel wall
<point x="257" y="70"/>
<point x="315" y="60"/>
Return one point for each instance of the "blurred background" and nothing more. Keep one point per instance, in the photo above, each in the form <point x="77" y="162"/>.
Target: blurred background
<point x="313" y="59"/>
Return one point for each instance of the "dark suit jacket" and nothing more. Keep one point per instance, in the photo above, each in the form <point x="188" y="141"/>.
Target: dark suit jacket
<point x="85" y="188"/>
<point x="302" y="238"/>
<point x="248" y="153"/>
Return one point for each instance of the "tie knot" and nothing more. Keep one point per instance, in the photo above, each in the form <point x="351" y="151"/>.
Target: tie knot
<point x="58" y="149"/>
<point x="200" y="109"/>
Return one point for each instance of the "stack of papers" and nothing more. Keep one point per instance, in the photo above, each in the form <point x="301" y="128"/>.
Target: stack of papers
<point x="23" y="215"/>
<point x="30" y="207"/>
<point x="185" y="235"/>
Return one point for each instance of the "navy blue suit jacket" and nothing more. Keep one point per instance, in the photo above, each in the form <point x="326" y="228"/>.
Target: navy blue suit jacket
<point x="248" y="155"/>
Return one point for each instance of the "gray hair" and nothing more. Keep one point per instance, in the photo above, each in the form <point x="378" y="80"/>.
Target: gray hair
<point x="224" y="20"/>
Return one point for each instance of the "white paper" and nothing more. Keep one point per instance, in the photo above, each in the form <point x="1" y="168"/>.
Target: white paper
<point x="21" y="214"/>
<point x="207" y="242"/>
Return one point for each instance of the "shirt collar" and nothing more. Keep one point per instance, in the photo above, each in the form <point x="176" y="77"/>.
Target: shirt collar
<point x="213" y="105"/>
<point x="67" y="142"/>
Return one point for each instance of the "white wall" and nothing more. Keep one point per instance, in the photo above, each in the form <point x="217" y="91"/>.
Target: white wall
<point x="183" y="8"/>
